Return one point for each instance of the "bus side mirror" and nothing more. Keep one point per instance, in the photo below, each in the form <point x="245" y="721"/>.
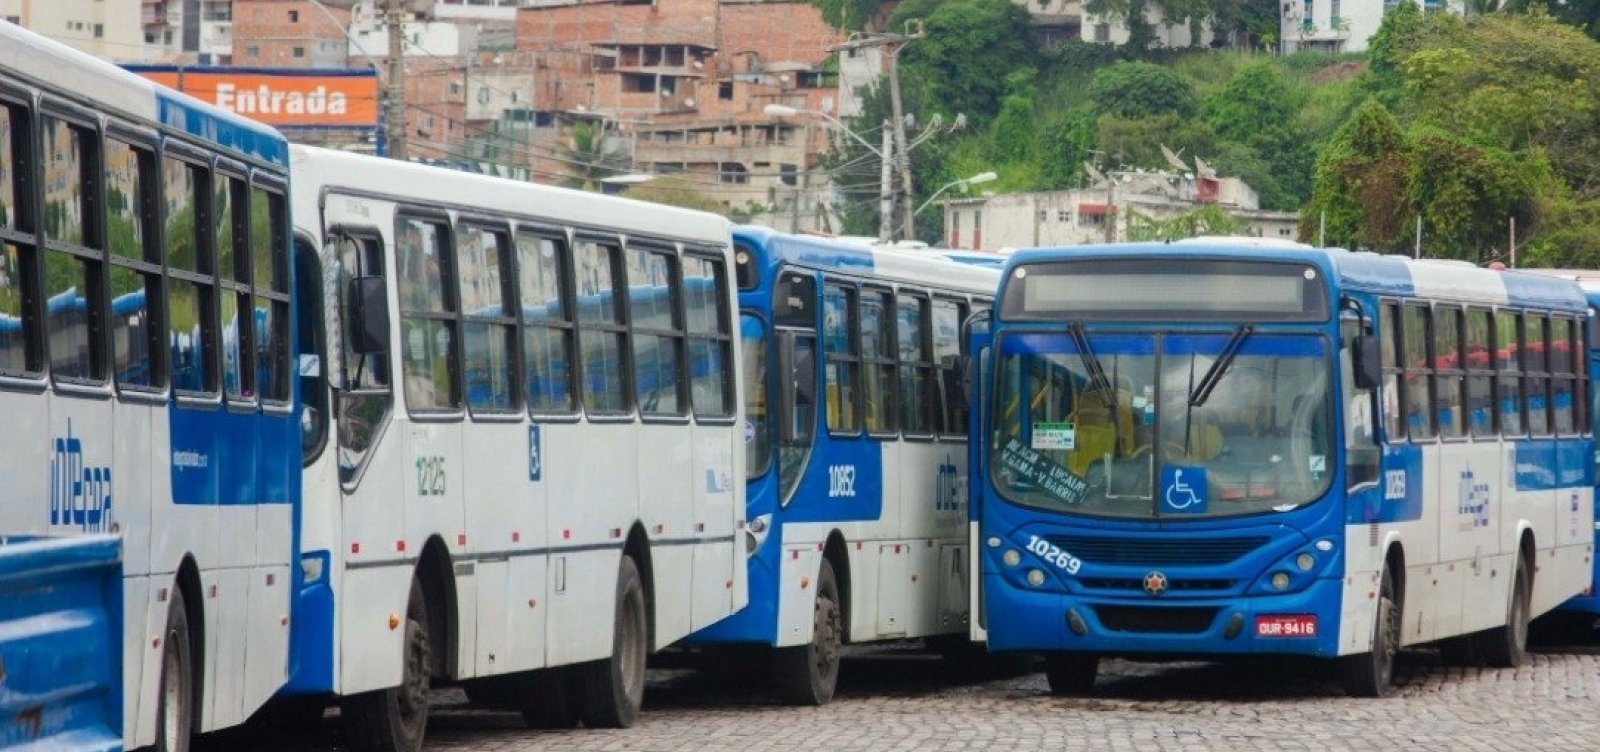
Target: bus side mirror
<point x="368" y="315"/>
<point x="1365" y="363"/>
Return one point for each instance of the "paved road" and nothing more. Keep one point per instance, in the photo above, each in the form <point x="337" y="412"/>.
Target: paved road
<point x="900" y="699"/>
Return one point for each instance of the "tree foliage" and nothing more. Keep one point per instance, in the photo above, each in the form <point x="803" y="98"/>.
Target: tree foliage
<point x="1141" y="89"/>
<point x="588" y="160"/>
<point x="971" y="47"/>
<point x="1207" y="220"/>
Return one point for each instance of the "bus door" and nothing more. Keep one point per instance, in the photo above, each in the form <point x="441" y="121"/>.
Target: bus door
<point x="976" y="368"/>
<point x="794" y="317"/>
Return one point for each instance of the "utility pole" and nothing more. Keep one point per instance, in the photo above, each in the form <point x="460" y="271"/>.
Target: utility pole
<point x="885" y="190"/>
<point x="894" y="43"/>
<point x="1111" y="209"/>
<point x="395" y="87"/>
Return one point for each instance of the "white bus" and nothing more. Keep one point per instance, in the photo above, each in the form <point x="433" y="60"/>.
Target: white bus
<point x="144" y="372"/>
<point x="524" y="441"/>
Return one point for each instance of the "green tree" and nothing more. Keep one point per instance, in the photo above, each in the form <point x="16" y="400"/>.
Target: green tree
<point x="1361" y="183"/>
<point x="1137" y="142"/>
<point x="1140" y="90"/>
<point x="970" y="48"/>
<point x="1207" y="220"/>
<point x="1467" y="193"/>
<point x="588" y="161"/>
<point x="1065" y="146"/>
<point x="1399" y="35"/>
<point x="1257" y="110"/>
<point x="1015" y="133"/>
<point x="849" y="15"/>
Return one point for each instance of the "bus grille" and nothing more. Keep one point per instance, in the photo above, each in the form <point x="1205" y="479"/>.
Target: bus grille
<point x="1160" y="552"/>
<point x="1174" y="585"/>
<point x="1156" y="620"/>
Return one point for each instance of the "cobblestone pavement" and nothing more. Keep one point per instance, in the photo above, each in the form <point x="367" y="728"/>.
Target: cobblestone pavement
<point x="902" y="699"/>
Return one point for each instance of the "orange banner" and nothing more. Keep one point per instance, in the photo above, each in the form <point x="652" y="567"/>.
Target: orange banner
<point x="281" y="98"/>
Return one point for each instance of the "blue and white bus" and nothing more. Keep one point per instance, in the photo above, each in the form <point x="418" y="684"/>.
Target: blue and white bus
<point x="1222" y="449"/>
<point x="855" y="449"/>
<point x="138" y="227"/>
<point x="523" y="438"/>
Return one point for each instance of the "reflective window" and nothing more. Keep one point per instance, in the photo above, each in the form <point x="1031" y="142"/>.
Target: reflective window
<point x="1479" y="404"/>
<point x="1563" y="380"/>
<point x="947" y="315"/>
<point x="489" y="329"/>
<point x="841" y="364"/>
<point x="657" y="340"/>
<point x="1389" y="343"/>
<point x="125" y="195"/>
<point x="547" y="325"/>
<point x="1508" y="362"/>
<point x="67" y="311"/>
<point x="601" y="334"/>
<point x="427" y="323"/>
<point x="758" y="431"/>
<point x="705" y="288"/>
<point x="915" y="365"/>
<point x="225" y="201"/>
<point x="185" y="336"/>
<point x="12" y="131"/>
<point x="65" y="155"/>
<point x="13" y="331"/>
<point x="233" y="363"/>
<point x="877" y="354"/>
<point x="270" y="323"/>
<point x="1535" y="362"/>
<point x="268" y="250"/>
<point x="1418" y="381"/>
<point x="1448" y="377"/>
<point x="180" y="188"/>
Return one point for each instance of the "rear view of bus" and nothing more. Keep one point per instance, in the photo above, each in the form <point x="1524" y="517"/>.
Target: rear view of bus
<point x="1226" y="449"/>
<point x="522" y="433"/>
<point x="856" y="446"/>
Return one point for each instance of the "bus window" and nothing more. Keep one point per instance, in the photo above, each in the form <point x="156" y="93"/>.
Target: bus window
<point x="1536" y="364"/>
<point x="547" y="324"/>
<point x="189" y="291"/>
<point x="601" y="331"/>
<point x="657" y="335"/>
<point x="228" y="200"/>
<point x="362" y="381"/>
<point x="1508" y="362"/>
<point x="705" y="295"/>
<point x="489" y="329"/>
<point x="70" y="270"/>
<point x="1389" y="338"/>
<point x="270" y="322"/>
<point x="758" y="433"/>
<point x="877" y="353"/>
<point x="842" y="366"/>
<point x="1416" y="323"/>
<point x="797" y="397"/>
<point x="1479" y="364"/>
<point x="916" y="377"/>
<point x="1447" y="365"/>
<point x="1362" y="457"/>
<point x="427" y="316"/>
<point x="1562" y="376"/>
<point x="311" y="358"/>
<point x="135" y="343"/>
<point x="949" y="418"/>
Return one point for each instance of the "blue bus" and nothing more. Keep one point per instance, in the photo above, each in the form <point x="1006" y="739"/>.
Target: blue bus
<point x="1213" y="448"/>
<point x="855" y="449"/>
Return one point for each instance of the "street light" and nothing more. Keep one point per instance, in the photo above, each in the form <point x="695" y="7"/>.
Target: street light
<point x="982" y="177"/>
<point x="885" y="195"/>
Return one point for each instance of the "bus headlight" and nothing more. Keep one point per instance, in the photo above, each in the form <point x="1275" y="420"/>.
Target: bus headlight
<point x="1011" y="557"/>
<point x="1305" y="562"/>
<point x="756" y="532"/>
<point x="1035" y="577"/>
<point x="312" y="569"/>
<point x="1280" y="580"/>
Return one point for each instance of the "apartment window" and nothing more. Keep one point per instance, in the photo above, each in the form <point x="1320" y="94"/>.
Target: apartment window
<point x="99" y="31"/>
<point x="299" y="52"/>
<point x="725" y="90"/>
<point x="294" y="16"/>
<point x="1102" y="32"/>
<point x="1063" y="215"/>
<point x="252" y="52"/>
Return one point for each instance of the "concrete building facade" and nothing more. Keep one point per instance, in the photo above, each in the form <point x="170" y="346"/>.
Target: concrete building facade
<point x="108" y="29"/>
<point x="1104" y="212"/>
<point x="289" y="34"/>
<point x="1341" y="25"/>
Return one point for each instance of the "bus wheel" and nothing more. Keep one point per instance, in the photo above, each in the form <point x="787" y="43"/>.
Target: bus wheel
<point x="175" y="711"/>
<point x="1369" y="674"/>
<point x="395" y="719"/>
<point x="1071" y="673"/>
<point x="547" y="702"/>
<point x="808" y="674"/>
<point x="610" y="691"/>
<point x="1506" y="646"/>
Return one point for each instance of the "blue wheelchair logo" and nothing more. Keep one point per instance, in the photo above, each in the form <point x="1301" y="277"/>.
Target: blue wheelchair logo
<point x="1183" y="490"/>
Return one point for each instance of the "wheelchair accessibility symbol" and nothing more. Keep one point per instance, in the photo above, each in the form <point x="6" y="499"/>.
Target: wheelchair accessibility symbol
<point x="1183" y="490"/>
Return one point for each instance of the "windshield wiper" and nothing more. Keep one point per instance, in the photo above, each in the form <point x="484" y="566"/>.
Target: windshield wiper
<point x="1097" y="375"/>
<point x="1208" y="382"/>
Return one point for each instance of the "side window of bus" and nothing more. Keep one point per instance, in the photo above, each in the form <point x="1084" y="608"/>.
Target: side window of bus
<point x="1563" y="377"/>
<point x="546" y="323"/>
<point x="878" y="355"/>
<point x="19" y="351"/>
<point x="361" y="381"/>
<point x="190" y="288"/>
<point x="1362" y="456"/>
<point x="601" y="330"/>
<point x="71" y="268"/>
<point x="1389" y="337"/>
<point x="842" y="357"/>
<point x="916" y="366"/>
<point x="427" y="315"/>
<point x="489" y="323"/>
<point x="1508" y="363"/>
<point x="1416" y="323"/>
<point x="1479" y="402"/>
<point x="269" y="271"/>
<point x="312" y="358"/>
<point x="1536" y="367"/>
<point x="706" y="316"/>
<point x="135" y="265"/>
<point x="657" y="332"/>
<point x="229" y="210"/>
<point x="947" y="316"/>
<point x="1447" y="366"/>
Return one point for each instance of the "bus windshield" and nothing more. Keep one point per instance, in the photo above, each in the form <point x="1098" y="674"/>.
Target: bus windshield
<point x="1163" y="424"/>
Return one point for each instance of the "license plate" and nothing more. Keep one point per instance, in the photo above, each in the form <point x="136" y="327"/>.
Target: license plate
<point x="1289" y="625"/>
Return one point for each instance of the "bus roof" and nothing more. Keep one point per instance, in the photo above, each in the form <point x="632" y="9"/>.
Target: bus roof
<point x="317" y="168"/>
<point x="95" y="83"/>
<point x="1400" y="276"/>
<point x="929" y="267"/>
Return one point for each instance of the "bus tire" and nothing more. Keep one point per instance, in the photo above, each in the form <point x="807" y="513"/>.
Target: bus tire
<point x="175" y="710"/>
<point x="808" y="674"/>
<point x="547" y="700"/>
<point x="396" y="719"/>
<point x="1506" y="646"/>
<point x="1071" y="674"/>
<point x="610" y="691"/>
<point x="1369" y="674"/>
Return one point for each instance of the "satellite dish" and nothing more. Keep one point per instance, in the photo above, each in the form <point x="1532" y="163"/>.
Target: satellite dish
<point x="1204" y="170"/>
<point x="1172" y="159"/>
<point x="1094" y="173"/>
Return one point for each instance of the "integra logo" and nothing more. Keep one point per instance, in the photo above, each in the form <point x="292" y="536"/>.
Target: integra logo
<point x="80" y="496"/>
